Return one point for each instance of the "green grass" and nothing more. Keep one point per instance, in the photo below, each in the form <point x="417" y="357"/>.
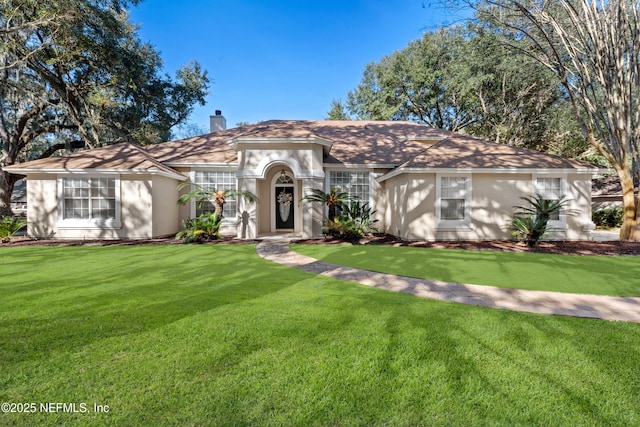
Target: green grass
<point x="214" y="335"/>
<point x="599" y="275"/>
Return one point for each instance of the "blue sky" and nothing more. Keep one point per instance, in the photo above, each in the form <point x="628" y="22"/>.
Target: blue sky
<point x="281" y="59"/>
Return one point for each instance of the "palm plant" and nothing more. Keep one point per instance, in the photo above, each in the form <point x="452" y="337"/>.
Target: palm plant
<point x="9" y="226"/>
<point x="204" y="227"/>
<point x="363" y="215"/>
<point x="356" y="222"/>
<point x="203" y="194"/>
<point x="334" y="199"/>
<point x="529" y="223"/>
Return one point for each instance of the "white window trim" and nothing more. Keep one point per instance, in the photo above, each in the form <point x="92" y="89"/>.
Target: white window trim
<point x="553" y="225"/>
<point x="192" y="205"/>
<point x="327" y="182"/>
<point x="76" y="223"/>
<point x="463" y="224"/>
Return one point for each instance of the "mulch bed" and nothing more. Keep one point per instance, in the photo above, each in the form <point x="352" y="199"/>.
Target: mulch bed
<point x="549" y="247"/>
<point x="25" y="241"/>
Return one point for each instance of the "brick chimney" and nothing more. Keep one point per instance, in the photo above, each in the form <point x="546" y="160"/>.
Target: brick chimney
<point x="217" y="122"/>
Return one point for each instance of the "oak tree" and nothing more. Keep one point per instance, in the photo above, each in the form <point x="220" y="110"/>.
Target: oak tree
<point x="74" y="74"/>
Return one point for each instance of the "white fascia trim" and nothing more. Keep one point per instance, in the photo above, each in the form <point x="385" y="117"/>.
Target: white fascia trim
<point x="342" y="166"/>
<point x="511" y="171"/>
<point x="202" y="165"/>
<point x="271" y="140"/>
<point x="97" y="172"/>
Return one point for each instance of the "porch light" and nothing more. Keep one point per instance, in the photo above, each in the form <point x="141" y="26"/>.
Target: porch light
<point x="283" y="174"/>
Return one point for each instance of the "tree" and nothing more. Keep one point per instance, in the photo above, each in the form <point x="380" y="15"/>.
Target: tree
<point x="520" y="101"/>
<point x="593" y="48"/>
<point x="415" y="84"/>
<point x="337" y="111"/>
<point x="463" y="78"/>
<point x="74" y="74"/>
<point x="203" y="194"/>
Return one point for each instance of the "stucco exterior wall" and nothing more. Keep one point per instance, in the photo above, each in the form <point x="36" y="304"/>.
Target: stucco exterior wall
<point x="492" y="204"/>
<point x="166" y="217"/>
<point x="263" y="210"/>
<point x="184" y="211"/>
<point x="253" y="158"/>
<point x="42" y="205"/>
<point x="136" y="200"/>
<point x="136" y="211"/>
<point x="410" y="209"/>
<point x="579" y="220"/>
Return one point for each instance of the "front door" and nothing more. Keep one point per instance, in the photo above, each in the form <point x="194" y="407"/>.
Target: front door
<point x="284" y="208"/>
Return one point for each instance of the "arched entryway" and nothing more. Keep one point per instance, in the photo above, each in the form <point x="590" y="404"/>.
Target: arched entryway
<point x="284" y="194"/>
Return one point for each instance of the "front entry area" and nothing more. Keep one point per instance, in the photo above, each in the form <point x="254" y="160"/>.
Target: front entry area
<point x="283" y="202"/>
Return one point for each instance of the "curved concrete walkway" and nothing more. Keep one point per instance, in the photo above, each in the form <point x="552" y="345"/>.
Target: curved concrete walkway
<point x="541" y="302"/>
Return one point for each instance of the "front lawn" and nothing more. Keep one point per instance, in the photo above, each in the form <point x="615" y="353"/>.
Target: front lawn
<point x="599" y="275"/>
<point x="214" y="335"/>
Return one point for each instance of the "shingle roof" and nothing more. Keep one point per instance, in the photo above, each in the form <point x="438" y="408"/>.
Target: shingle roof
<point x="119" y="157"/>
<point x="608" y="186"/>
<point x="354" y="142"/>
<point x="209" y="148"/>
<point x="391" y="143"/>
<point x="463" y="151"/>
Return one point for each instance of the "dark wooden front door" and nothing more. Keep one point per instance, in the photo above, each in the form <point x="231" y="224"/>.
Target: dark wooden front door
<point x="285" y="208"/>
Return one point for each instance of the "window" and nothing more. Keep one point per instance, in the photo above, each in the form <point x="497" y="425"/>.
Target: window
<point x="453" y="202"/>
<point x="89" y="198"/>
<point x="453" y="206"/>
<point x="218" y="181"/>
<point x="550" y="189"/>
<point x="354" y="183"/>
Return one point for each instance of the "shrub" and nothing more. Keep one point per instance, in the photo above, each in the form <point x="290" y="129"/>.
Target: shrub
<point x="202" y="228"/>
<point x="356" y="222"/>
<point x="529" y="223"/>
<point x="9" y="226"/>
<point x="608" y="218"/>
<point x="528" y="229"/>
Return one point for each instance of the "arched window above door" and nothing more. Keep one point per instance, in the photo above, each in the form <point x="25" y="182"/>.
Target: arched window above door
<point x="284" y="179"/>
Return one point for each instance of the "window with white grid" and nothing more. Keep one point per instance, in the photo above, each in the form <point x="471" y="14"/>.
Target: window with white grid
<point x="550" y="189"/>
<point x="354" y="183"/>
<point x="89" y="198"/>
<point x="218" y="181"/>
<point x="453" y="195"/>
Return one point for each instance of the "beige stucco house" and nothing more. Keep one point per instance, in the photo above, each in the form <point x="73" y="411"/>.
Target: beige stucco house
<point x="425" y="183"/>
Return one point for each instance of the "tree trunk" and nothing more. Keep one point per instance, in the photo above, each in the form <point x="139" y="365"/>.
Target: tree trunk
<point x="630" y="229"/>
<point x="332" y="211"/>
<point x="6" y="189"/>
<point x="218" y="203"/>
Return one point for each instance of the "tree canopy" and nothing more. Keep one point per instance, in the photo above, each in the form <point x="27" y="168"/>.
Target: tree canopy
<point x="74" y="74"/>
<point x="464" y="78"/>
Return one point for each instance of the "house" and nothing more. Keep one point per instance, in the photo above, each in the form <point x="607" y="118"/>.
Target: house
<point x="425" y="183"/>
<point x="607" y="192"/>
